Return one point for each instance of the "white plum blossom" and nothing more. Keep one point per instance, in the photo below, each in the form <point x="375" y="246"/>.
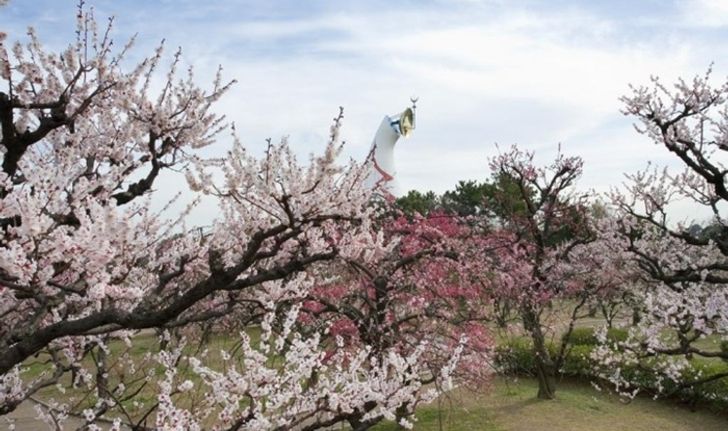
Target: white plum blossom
<point x="88" y="270"/>
<point x="304" y="389"/>
<point x="680" y="270"/>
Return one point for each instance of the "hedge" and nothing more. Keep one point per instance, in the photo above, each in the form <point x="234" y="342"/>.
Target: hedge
<point x="515" y="357"/>
<point x="588" y="337"/>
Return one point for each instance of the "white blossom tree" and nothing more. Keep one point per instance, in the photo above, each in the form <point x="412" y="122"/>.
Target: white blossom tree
<point x="680" y="271"/>
<point x="85" y="262"/>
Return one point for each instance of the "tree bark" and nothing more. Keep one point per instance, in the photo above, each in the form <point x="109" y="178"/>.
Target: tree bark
<point x="542" y="359"/>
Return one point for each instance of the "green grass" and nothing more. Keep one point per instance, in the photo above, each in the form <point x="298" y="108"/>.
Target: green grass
<point x="510" y="405"/>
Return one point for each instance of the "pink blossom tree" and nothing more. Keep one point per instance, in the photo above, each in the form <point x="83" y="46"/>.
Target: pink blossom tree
<point x="402" y="310"/>
<point x="542" y="261"/>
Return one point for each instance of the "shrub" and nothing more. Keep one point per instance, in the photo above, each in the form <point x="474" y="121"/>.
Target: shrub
<point x="713" y="392"/>
<point x="617" y="334"/>
<point x="588" y="337"/>
<point x="582" y="337"/>
<point x="578" y="362"/>
<point x="515" y="356"/>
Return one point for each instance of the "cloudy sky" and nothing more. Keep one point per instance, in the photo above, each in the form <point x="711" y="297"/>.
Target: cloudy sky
<point x="534" y="73"/>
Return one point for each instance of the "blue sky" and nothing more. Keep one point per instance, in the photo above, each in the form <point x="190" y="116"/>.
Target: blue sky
<point x="535" y="73"/>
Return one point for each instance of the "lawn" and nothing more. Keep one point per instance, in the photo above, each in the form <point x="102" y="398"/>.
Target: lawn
<point x="510" y="405"/>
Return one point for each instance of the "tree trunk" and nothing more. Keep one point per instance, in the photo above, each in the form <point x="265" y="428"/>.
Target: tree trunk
<point x="636" y="316"/>
<point x="544" y="364"/>
<point x="546" y="384"/>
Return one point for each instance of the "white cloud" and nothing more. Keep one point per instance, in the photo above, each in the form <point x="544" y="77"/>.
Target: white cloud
<point x="704" y="13"/>
<point x="519" y="77"/>
<point x="485" y="72"/>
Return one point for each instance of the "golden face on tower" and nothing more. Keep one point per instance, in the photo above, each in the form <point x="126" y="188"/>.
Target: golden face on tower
<point x="406" y="122"/>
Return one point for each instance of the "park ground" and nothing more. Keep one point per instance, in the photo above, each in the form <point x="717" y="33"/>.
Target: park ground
<point x="511" y="405"/>
<point x="507" y="404"/>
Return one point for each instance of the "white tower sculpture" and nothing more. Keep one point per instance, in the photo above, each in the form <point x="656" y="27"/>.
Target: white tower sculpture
<point x="383" y="174"/>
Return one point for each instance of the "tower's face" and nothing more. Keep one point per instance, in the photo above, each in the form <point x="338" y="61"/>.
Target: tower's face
<point x="406" y="122"/>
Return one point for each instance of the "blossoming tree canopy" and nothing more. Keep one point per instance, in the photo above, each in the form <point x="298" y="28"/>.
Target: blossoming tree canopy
<point x="543" y="225"/>
<point x="85" y="262"/>
<point x="682" y="269"/>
